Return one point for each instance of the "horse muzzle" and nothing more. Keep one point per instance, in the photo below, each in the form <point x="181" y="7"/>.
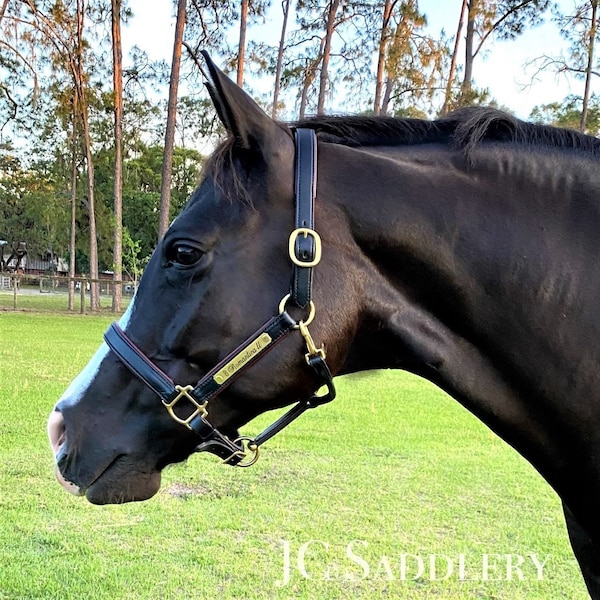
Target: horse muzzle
<point x="57" y="435"/>
<point x="113" y="479"/>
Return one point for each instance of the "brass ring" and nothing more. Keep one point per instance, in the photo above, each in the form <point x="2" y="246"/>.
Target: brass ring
<point x="311" y="311"/>
<point x="248" y="446"/>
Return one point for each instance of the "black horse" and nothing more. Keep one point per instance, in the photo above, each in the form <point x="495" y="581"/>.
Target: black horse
<point x="464" y="250"/>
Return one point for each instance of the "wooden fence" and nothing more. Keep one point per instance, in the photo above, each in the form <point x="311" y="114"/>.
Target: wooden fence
<point x="21" y="285"/>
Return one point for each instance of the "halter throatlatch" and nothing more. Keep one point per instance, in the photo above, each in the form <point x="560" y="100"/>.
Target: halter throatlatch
<point x="189" y="405"/>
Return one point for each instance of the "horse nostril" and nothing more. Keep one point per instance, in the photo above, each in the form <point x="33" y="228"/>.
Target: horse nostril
<point x="57" y="433"/>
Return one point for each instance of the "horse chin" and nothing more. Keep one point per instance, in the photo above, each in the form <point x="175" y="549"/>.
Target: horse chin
<point x="116" y="485"/>
<point x="120" y="484"/>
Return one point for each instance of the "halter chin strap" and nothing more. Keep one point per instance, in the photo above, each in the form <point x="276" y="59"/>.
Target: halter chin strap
<point x="188" y="405"/>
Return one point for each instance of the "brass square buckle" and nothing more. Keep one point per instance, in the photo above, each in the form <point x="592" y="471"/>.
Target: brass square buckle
<point x="305" y="231"/>
<point x="184" y="392"/>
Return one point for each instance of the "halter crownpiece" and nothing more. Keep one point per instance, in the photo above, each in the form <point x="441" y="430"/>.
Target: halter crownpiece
<point x="305" y="254"/>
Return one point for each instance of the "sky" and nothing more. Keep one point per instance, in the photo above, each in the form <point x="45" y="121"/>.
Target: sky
<point x="502" y="70"/>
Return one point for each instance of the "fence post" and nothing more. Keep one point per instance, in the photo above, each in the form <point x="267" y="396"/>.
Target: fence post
<point x="15" y="284"/>
<point x="82" y="296"/>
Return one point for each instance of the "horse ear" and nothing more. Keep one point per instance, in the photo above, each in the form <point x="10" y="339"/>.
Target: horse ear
<point x="240" y="115"/>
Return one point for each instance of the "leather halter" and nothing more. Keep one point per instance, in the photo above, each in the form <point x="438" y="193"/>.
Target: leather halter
<point x="305" y="253"/>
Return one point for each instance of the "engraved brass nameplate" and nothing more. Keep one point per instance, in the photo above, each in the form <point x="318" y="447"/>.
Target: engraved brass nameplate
<point x="239" y="360"/>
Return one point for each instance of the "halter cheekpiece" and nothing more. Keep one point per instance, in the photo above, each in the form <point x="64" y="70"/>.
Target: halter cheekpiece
<point x="305" y="254"/>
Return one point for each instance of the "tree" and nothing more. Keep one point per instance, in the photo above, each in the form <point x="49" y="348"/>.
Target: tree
<point x="503" y="19"/>
<point x="59" y="27"/>
<point x="134" y="261"/>
<point x="73" y="211"/>
<point x="80" y="80"/>
<point x="580" y="29"/>
<point x="590" y="62"/>
<point x="118" y="183"/>
<point x="285" y="7"/>
<point x="19" y="86"/>
<point x="413" y="61"/>
<point x="384" y="37"/>
<point x="568" y="114"/>
<point x="165" y="192"/>
<point x="454" y="59"/>
<point x="330" y="26"/>
<point x="74" y="140"/>
<point x="242" y="41"/>
<point x="330" y="34"/>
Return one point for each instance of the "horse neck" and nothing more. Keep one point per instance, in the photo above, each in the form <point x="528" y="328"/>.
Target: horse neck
<point x="457" y="243"/>
<point x="453" y="264"/>
<point x="406" y="214"/>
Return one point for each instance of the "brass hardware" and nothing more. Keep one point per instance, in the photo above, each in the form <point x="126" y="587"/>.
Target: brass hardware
<point x="305" y="231"/>
<point x="311" y="311"/>
<point x="240" y="359"/>
<point x="310" y="344"/>
<point x="184" y="392"/>
<point x="303" y="327"/>
<point x="248" y="453"/>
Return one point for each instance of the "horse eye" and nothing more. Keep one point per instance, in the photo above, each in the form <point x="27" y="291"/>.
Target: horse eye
<point x="184" y="254"/>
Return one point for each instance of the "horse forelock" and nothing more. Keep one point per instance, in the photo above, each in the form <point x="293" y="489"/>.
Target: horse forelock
<point x="226" y="177"/>
<point x="228" y="167"/>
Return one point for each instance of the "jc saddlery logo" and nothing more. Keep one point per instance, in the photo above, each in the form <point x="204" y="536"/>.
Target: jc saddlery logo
<point x="321" y="560"/>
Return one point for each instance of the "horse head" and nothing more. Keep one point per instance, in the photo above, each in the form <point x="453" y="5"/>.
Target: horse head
<point x="220" y="272"/>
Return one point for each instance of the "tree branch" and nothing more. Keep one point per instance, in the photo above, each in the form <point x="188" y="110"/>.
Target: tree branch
<point x="195" y="58"/>
<point x="495" y="25"/>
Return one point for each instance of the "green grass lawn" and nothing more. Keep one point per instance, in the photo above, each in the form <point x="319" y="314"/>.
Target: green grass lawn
<point x="392" y="471"/>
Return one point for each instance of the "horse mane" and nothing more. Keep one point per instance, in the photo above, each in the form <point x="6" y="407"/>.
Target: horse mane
<point x="465" y="128"/>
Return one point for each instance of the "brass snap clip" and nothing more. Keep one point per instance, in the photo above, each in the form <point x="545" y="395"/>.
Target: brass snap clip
<point x="310" y="344"/>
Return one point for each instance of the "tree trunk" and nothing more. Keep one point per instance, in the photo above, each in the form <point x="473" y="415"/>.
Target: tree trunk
<point x="452" y="73"/>
<point x="242" y="43"/>
<point x="333" y="8"/>
<point x="304" y="97"/>
<point x="165" y="190"/>
<point x="3" y="9"/>
<point x="590" y="64"/>
<point x="383" y="39"/>
<point x="118" y="183"/>
<point x="469" y="45"/>
<point x="387" y="96"/>
<point x="72" y="235"/>
<point x="285" y="6"/>
<point x="309" y="78"/>
<point x="87" y="142"/>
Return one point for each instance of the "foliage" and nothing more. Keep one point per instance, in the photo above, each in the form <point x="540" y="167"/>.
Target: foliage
<point x="32" y="207"/>
<point x="579" y="28"/>
<point x="326" y="57"/>
<point x="504" y="20"/>
<point x="568" y="114"/>
<point x="415" y="62"/>
<point x="575" y="28"/>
